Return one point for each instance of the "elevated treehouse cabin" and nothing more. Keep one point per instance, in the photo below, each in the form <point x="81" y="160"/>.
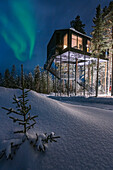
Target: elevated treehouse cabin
<point x="69" y="60"/>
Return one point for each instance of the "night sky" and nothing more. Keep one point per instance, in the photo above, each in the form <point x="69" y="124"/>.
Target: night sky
<point x="26" y="27"/>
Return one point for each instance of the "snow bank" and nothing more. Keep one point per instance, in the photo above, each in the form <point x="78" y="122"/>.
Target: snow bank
<point x="86" y="135"/>
<point x="101" y="100"/>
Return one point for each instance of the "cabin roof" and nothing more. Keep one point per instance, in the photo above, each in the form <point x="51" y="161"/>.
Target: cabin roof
<point x="67" y="29"/>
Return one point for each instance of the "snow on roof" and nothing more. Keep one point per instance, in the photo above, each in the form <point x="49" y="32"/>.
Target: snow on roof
<point x="79" y="32"/>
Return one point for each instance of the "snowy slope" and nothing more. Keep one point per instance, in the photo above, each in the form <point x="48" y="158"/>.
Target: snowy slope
<point x="86" y="135"/>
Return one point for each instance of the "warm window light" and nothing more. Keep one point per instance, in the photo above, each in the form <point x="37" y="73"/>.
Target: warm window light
<point x="65" y="46"/>
<point x="80" y="43"/>
<point x="88" y="46"/>
<point x="77" y="42"/>
<point x="74" y="41"/>
<point x="65" y="40"/>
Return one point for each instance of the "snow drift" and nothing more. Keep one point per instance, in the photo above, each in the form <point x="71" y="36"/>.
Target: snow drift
<point x="86" y="135"/>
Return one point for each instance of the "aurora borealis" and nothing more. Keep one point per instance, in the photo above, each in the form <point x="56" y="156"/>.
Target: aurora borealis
<point x="19" y="28"/>
<point x="26" y="27"/>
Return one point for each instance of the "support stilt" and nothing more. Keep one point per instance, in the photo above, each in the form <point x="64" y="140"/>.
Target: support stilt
<point x="76" y="71"/>
<point x="84" y="75"/>
<point x="60" y="77"/>
<point x="68" y="90"/>
<point x="55" y="79"/>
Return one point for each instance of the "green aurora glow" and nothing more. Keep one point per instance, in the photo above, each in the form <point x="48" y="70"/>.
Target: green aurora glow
<point x="19" y="29"/>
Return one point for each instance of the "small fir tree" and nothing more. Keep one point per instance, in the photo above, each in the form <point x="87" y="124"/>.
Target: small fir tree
<point x="25" y="119"/>
<point x="22" y="110"/>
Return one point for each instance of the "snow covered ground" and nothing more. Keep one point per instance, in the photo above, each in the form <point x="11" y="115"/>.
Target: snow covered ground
<point x="85" y="126"/>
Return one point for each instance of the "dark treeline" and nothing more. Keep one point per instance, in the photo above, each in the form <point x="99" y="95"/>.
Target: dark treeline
<point x="36" y="81"/>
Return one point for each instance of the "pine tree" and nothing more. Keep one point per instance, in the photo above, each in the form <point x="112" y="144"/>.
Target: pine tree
<point x="1" y="80"/>
<point x="13" y="77"/>
<point x="97" y="39"/>
<point x="26" y="81"/>
<point x="43" y="81"/>
<point x="108" y="34"/>
<point x="22" y="110"/>
<point x="107" y="25"/>
<point x="77" y="24"/>
<point x="50" y="83"/>
<point x="27" y="121"/>
<point x="30" y="81"/>
<point x="37" y="79"/>
<point x="7" y="78"/>
<point x="18" y="81"/>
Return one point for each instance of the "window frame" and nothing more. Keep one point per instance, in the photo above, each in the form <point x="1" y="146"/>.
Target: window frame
<point x="65" y="45"/>
<point x="76" y="47"/>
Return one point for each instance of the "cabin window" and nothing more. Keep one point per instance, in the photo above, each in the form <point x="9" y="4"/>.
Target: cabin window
<point x="88" y="46"/>
<point x="80" y="43"/>
<point x="77" y="42"/>
<point x="74" y="41"/>
<point x="65" y="41"/>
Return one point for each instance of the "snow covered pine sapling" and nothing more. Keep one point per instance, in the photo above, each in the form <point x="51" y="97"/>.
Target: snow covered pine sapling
<point x="22" y="110"/>
<point x="24" y="118"/>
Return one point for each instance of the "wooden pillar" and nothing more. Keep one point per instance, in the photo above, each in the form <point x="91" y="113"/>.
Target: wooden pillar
<point x="53" y="83"/>
<point x="68" y="90"/>
<point x="92" y="77"/>
<point x="107" y="86"/>
<point x="84" y="75"/>
<point x="55" y="79"/>
<point x="105" y="83"/>
<point x="76" y="72"/>
<point x="63" y="86"/>
<point x="60" y="77"/>
<point x="112" y="67"/>
<point x="89" y="75"/>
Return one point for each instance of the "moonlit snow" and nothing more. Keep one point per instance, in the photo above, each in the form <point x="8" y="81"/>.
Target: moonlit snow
<point x="85" y="126"/>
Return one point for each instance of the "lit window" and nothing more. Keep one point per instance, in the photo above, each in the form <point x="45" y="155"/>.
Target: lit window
<point x="88" y="46"/>
<point x="74" y="41"/>
<point x="80" y="43"/>
<point x="77" y="42"/>
<point x="65" y="42"/>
